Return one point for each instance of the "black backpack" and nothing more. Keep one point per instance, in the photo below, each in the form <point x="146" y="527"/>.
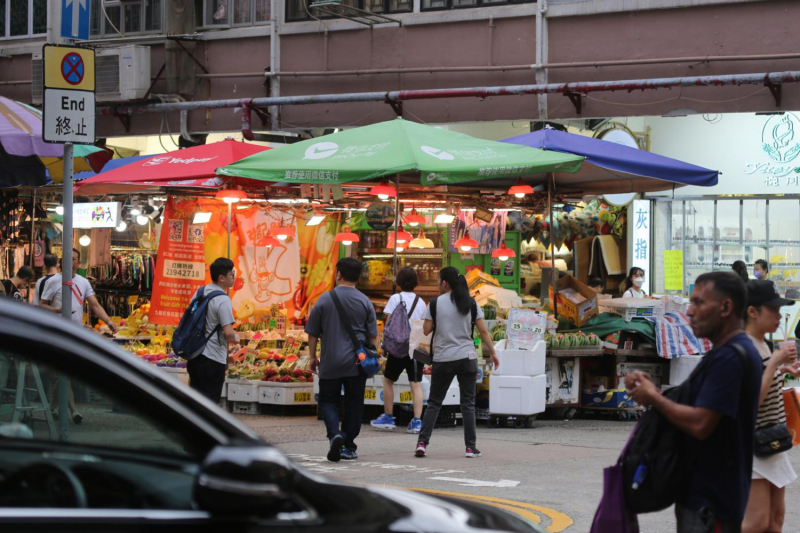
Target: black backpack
<point x="659" y="453"/>
<point x="432" y="306"/>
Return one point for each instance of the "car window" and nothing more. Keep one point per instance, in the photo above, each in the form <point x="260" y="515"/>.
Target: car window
<point x="96" y="415"/>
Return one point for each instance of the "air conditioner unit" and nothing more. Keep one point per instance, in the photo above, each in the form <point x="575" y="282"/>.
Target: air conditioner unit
<point x="121" y="74"/>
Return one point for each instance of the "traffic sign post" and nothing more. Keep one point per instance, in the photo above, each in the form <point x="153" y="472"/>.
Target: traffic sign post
<point x="75" y="19"/>
<point x="68" y="117"/>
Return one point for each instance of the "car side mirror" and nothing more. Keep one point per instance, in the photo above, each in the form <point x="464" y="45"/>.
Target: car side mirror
<point x="240" y="479"/>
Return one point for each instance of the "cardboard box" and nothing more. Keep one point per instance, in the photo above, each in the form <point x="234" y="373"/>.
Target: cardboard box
<point x="656" y="370"/>
<point x="561" y="374"/>
<point x="611" y="399"/>
<point x="576" y="312"/>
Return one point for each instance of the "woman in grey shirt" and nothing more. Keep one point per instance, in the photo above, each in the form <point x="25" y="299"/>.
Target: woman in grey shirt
<point x="454" y="354"/>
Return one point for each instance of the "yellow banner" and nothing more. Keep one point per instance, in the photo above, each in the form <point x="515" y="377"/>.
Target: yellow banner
<point x="673" y="270"/>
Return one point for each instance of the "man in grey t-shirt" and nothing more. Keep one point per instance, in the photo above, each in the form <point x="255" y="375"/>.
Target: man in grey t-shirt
<point x="207" y="370"/>
<point x="337" y="364"/>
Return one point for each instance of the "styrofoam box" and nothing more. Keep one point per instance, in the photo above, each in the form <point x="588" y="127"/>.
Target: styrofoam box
<point x="299" y="394"/>
<point x="681" y="367"/>
<point x="517" y="395"/>
<point x="522" y="362"/>
<point x="243" y="392"/>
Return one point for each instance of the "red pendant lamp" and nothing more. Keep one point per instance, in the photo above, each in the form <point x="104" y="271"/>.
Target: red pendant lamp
<point x="346" y="237"/>
<point x="415" y="219"/>
<point x="384" y="191"/>
<point x="268" y="242"/>
<point x="520" y="189"/>
<point x="283" y="232"/>
<point x="402" y="235"/>
<point x="231" y="196"/>
<point x="391" y="244"/>
<point x="465" y="244"/>
<point x="503" y="253"/>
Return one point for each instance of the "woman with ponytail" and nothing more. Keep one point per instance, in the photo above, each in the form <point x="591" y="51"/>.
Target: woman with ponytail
<point x="451" y="317"/>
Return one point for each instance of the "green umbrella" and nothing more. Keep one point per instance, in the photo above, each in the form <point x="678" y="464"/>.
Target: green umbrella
<point x="441" y="156"/>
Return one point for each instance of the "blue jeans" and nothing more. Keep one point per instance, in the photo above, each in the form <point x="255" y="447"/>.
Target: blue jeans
<point x="329" y="392"/>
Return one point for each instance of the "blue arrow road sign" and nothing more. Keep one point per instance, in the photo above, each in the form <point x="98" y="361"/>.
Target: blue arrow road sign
<point x="75" y="19"/>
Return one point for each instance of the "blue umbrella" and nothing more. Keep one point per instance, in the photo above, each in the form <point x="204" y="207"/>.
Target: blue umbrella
<point x="612" y="168"/>
<point x="111" y="165"/>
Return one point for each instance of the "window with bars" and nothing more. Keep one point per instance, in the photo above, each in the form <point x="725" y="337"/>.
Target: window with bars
<point x="433" y="5"/>
<point x="295" y="10"/>
<point x="131" y="17"/>
<point x="230" y="13"/>
<point x="23" y="18"/>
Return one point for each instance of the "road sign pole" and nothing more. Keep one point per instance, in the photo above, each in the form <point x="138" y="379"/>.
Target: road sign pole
<point x="66" y="287"/>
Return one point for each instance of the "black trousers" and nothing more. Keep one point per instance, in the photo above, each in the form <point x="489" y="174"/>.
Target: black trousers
<point x="330" y="392"/>
<point x="206" y="377"/>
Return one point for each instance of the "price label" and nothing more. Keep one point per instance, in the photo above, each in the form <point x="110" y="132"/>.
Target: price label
<point x="406" y="396"/>
<point x="302" y="397"/>
<point x="518" y="326"/>
<point x="370" y="394"/>
<point x="538" y="330"/>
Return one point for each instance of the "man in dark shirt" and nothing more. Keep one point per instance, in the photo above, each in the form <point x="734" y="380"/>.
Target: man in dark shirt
<point x="21" y="280"/>
<point x="721" y="418"/>
<point x="337" y="363"/>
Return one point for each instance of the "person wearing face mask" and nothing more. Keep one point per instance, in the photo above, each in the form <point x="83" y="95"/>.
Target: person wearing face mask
<point x="761" y="270"/>
<point x="632" y="285"/>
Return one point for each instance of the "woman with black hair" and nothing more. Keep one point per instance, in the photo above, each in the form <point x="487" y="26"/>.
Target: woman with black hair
<point x="631" y="287"/>
<point x="451" y="317"/>
<point x="761" y="269"/>
<point x="740" y="268"/>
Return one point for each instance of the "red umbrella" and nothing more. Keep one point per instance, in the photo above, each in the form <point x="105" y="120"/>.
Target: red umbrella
<point x="190" y="167"/>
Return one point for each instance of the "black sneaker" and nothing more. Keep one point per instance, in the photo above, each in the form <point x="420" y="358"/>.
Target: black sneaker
<point x="77" y="418"/>
<point x="473" y="452"/>
<point x="335" y="451"/>
<point x="348" y="454"/>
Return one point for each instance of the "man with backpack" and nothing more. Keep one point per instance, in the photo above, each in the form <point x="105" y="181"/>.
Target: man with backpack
<point x="400" y="309"/>
<point x="717" y="419"/>
<point x="338" y="363"/>
<point x="209" y="358"/>
<point x="51" y="269"/>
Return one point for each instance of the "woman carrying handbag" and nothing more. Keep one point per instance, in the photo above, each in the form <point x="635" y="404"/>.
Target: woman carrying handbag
<point x="772" y="471"/>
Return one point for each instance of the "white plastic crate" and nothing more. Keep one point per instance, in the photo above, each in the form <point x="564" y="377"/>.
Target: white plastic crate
<point x="243" y="391"/>
<point x="521" y="362"/>
<point x="681" y="367"/>
<point x="286" y="394"/>
<point x="246" y="408"/>
<point x="517" y="395"/>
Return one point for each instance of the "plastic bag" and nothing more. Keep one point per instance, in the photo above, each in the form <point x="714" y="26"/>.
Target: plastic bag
<point x="417" y="337"/>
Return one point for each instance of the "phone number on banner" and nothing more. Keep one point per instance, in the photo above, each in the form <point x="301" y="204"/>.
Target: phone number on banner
<point x="184" y="270"/>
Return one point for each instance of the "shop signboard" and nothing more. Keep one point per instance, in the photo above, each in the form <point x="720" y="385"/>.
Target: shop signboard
<point x="96" y="215"/>
<point x="639" y="247"/>
<point x="380" y="216"/>
<point x="673" y="270"/>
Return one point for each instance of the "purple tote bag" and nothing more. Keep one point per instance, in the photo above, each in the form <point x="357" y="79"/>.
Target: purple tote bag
<point x="612" y="516"/>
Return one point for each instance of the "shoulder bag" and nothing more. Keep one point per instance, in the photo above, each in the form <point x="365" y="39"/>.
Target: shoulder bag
<point x="367" y="355"/>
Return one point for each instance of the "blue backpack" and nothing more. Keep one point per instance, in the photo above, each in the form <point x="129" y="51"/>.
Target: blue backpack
<point x="189" y="338"/>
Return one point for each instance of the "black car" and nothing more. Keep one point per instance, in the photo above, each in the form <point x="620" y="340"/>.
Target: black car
<point x="158" y="456"/>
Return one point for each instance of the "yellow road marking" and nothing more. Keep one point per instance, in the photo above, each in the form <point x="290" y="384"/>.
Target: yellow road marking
<point x="558" y="521"/>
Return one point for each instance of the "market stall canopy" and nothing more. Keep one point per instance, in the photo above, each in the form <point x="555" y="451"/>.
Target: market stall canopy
<point x="191" y="167"/>
<point x="442" y="157"/>
<point x="111" y="165"/>
<point x="612" y="168"/>
<point x="25" y="159"/>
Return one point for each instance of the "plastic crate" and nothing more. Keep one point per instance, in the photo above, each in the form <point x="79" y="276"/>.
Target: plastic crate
<point x="629" y="313"/>
<point x="246" y="408"/>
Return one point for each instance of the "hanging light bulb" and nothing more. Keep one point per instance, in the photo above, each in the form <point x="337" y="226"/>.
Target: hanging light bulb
<point x="520" y="189"/>
<point x="283" y="232"/>
<point x="59" y="210"/>
<point x="447" y="217"/>
<point x="414" y="219"/>
<point x="503" y="253"/>
<point x="465" y="244"/>
<point x="142" y="220"/>
<point x="402" y="235"/>
<point x="85" y="240"/>
<point x="383" y="191"/>
<point x="421" y="241"/>
<point x="316" y="218"/>
<point x="346" y="237"/>
<point x="136" y="212"/>
<point x="122" y="225"/>
<point x="231" y="196"/>
<point x="268" y="242"/>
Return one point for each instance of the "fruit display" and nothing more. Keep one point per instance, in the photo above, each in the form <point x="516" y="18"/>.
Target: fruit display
<point x="489" y="312"/>
<point x="245" y="327"/>
<point x="138" y="324"/>
<point x="498" y="332"/>
<point x="155" y="354"/>
<point x="282" y="370"/>
<point x="572" y="341"/>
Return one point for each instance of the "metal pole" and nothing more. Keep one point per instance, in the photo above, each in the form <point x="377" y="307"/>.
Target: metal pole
<point x="397" y="219"/>
<point x="554" y="275"/>
<point x="230" y="209"/>
<point x="33" y="226"/>
<point x="66" y="287"/>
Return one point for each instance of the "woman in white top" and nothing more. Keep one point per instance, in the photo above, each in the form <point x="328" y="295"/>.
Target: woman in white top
<point x="631" y="287"/>
<point x="766" y="507"/>
<point x="412" y="306"/>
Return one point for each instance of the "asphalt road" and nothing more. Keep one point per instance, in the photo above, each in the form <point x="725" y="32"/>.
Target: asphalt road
<point x="552" y="473"/>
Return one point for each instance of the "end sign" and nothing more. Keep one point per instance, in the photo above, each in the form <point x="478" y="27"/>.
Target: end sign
<point x="69" y="100"/>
